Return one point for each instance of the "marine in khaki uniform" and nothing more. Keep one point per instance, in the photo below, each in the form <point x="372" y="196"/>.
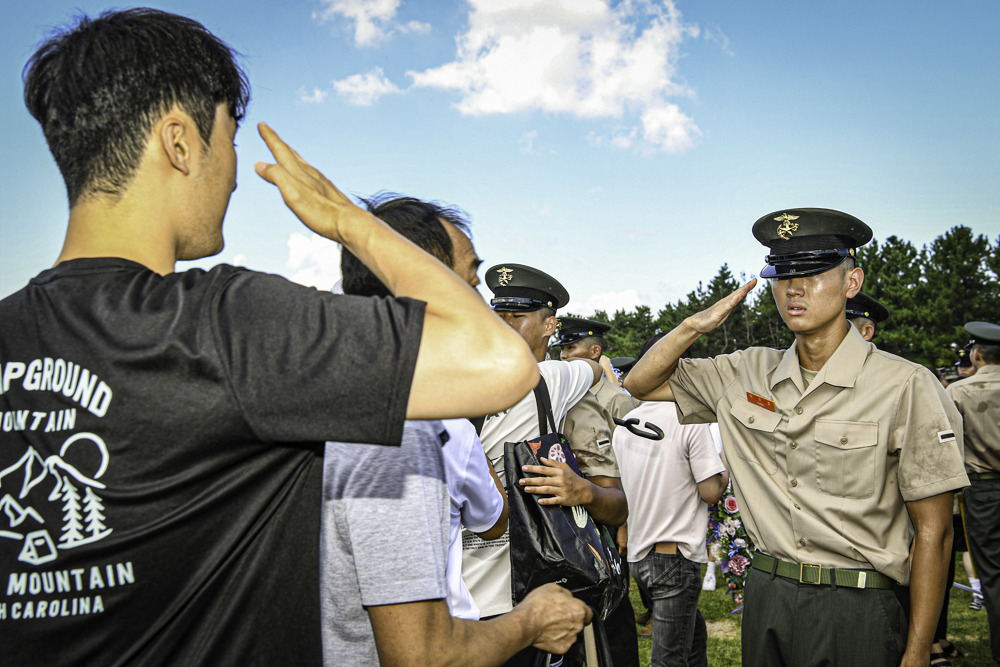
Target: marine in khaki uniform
<point x="866" y="313"/>
<point x="978" y="399"/>
<point x="591" y="420"/>
<point x="584" y="339"/>
<point x="841" y="457"/>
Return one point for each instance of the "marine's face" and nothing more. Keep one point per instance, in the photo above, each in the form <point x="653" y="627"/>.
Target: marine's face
<point x="815" y="303"/>
<point x="534" y="327"/>
<point x="466" y="261"/>
<point x="580" y="350"/>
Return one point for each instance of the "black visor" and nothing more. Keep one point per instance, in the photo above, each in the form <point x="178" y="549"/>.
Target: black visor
<point x="806" y="263"/>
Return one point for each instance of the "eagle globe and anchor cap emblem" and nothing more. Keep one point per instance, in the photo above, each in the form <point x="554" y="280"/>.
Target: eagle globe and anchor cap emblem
<point x="787" y="227"/>
<point x="505" y="275"/>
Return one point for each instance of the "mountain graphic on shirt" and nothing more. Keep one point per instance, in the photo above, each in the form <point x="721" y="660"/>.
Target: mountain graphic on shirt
<point x="49" y="487"/>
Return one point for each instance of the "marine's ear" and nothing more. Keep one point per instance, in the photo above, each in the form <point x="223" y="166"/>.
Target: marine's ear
<point x="855" y="279"/>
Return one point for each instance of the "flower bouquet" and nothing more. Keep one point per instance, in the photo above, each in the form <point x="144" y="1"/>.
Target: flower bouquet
<point x="728" y="539"/>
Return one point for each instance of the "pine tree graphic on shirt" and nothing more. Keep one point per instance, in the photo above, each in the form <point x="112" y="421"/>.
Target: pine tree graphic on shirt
<point x="94" y="509"/>
<point x="72" y="525"/>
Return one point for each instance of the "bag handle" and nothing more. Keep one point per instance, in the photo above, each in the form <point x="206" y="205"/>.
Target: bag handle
<point x="544" y="405"/>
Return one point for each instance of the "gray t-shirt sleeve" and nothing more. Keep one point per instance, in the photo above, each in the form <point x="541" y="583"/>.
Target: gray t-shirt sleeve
<point x="384" y="535"/>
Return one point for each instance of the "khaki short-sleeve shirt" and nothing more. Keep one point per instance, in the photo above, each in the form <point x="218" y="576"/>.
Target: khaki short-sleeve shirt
<point x="588" y="428"/>
<point x="615" y="400"/>
<point x="822" y="473"/>
<point x="978" y="399"/>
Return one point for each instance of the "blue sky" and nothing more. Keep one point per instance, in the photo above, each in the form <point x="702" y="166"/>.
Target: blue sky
<point x="626" y="148"/>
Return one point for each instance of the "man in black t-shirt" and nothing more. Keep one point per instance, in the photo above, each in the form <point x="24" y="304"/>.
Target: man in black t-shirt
<point x="160" y="456"/>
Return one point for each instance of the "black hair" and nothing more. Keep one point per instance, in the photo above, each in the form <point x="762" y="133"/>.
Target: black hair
<point x="594" y="340"/>
<point x="989" y="353"/>
<point x="98" y="87"/>
<point x="414" y="219"/>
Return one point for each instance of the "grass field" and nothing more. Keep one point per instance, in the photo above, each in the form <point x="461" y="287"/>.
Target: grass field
<point x="966" y="628"/>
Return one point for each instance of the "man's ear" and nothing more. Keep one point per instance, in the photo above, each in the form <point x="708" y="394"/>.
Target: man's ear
<point x="550" y="325"/>
<point x="595" y="352"/>
<point x="868" y="331"/>
<point x="855" y="279"/>
<point x="175" y="142"/>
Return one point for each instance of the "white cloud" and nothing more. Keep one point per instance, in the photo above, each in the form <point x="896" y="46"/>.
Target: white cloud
<point x="714" y="34"/>
<point x="313" y="260"/>
<point x="417" y="27"/>
<point x="315" y="96"/>
<point x="527" y="142"/>
<point x="364" y="89"/>
<point x="240" y="260"/>
<point x="372" y="18"/>
<point x="610" y="302"/>
<point x="580" y="57"/>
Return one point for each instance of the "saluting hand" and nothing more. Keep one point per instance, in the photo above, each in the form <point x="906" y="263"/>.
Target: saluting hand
<point x="308" y="193"/>
<point x="715" y="315"/>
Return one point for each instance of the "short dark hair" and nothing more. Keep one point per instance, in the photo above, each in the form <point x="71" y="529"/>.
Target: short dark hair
<point x="989" y="353"/>
<point x="98" y="88"/>
<point x="417" y="220"/>
<point x="593" y="340"/>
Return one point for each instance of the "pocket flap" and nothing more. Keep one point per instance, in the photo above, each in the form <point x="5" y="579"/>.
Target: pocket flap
<point x="846" y="435"/>
<point x="755" y="417"/>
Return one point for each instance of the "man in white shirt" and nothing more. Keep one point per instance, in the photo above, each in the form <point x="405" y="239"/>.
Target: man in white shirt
<point x="670" y="483"/>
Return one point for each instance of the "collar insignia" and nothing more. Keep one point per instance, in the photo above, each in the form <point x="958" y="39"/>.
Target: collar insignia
<point x="787" y="227"/>
<point x="505" y="275"/>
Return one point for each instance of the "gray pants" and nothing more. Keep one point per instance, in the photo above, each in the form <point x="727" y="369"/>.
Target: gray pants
<point x="803" y="625"/>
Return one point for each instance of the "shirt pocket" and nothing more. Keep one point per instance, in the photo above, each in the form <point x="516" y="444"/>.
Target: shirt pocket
<point x="756" y="440"/>
<point x="846" y="458"/>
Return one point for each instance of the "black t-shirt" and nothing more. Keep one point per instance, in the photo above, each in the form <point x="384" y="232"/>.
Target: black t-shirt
<point x="161" y="458"/>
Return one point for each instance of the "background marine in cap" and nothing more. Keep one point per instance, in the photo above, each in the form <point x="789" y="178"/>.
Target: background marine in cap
<point x="584" y="339"/>
<point x="526" y="299"/>
<point x="978" y="399"/>
<point x="865" y="312"/>
<point x="836" y="449"/>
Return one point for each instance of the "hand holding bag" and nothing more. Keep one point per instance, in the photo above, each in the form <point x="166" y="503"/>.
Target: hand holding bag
<point x="553" y="543"/>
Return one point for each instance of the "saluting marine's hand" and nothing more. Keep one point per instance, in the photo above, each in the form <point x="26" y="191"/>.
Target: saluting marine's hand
<point x="715" y="315"/>
<point x="308" y="193"/>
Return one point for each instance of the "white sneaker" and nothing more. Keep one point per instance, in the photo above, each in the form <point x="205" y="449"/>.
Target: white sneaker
<point x="708" y="584"/>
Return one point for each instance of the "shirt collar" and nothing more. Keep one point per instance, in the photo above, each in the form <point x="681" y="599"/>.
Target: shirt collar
<point x="840" y="370"/>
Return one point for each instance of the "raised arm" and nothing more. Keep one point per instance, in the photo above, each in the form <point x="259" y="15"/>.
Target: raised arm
<point x="462" y="342"/>
<point x="648" y="379"/>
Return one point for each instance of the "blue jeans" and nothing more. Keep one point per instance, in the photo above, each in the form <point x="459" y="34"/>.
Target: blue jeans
<point x="674" y="584"/>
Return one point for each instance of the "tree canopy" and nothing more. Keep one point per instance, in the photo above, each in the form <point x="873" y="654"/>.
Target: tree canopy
<point x="930" y="293"/>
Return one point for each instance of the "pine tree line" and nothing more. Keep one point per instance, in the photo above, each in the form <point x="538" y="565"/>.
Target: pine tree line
<point x="930" y="294"/>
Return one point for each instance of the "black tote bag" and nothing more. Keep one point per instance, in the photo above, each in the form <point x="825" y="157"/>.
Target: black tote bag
<point x="552" y="543"/>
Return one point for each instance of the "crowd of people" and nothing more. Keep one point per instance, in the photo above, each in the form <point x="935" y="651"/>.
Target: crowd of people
<point x="195" y="469"/>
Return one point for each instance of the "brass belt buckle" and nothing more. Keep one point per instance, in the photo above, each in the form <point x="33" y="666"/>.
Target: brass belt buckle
<point x="819" y="569"/>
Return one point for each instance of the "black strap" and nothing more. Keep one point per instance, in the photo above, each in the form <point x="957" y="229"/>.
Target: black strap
<point x="544" y="405"/>
<point x="478" y="422"/>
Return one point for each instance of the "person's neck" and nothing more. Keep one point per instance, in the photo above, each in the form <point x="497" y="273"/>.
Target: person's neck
<point x="815" y="348"/>
<point x="126" y="228"/>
